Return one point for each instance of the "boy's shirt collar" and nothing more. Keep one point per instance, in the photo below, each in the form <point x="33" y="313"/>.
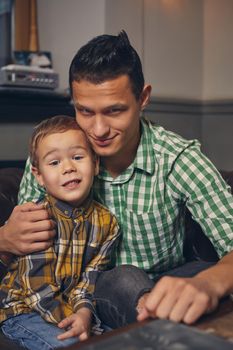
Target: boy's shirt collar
<point x="67" y="210"/>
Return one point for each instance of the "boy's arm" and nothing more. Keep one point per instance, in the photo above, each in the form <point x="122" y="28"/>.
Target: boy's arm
<point x="81" y="294"/>
<point x="77" y="325"/>
<point x="41" y="291"/>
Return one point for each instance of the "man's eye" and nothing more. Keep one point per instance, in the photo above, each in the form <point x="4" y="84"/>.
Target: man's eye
<point x="114" y="111"/>
<point x="85" y="111"/>
<point x="54" y="162"/>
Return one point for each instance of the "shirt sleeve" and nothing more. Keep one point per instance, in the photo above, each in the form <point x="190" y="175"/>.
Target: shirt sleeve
<point x="29" y="190"/>
<point x="41" y="291"/>
<point x="103" y="259"/>
<point x="195" y="181"/>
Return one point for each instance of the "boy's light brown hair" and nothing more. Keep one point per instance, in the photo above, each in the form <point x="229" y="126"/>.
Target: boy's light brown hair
<point x="56" y="124"/>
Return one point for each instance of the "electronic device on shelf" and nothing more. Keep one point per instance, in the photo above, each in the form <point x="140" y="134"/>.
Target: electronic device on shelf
<point x="28" y="76"/>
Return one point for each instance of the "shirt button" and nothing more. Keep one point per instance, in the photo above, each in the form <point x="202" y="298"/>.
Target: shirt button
<point x="66" y="212"/>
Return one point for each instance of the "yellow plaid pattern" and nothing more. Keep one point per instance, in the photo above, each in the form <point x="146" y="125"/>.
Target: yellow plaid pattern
<point x="58" y="281"/>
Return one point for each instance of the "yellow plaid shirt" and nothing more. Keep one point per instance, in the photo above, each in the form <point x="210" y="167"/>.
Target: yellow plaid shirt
<point x="58" y="281"/>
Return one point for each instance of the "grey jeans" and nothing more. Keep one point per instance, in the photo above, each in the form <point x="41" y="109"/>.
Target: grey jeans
<point x="118" y="290"/>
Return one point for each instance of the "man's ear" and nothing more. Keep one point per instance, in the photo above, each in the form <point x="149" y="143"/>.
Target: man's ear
<point x="145" y="96"/>
<point x="97" y="164"/>
<point x="38" y="176"/>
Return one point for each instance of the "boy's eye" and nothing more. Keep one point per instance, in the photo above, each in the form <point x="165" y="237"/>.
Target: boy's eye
<point x="54" y="162"/>
<point x="77" y="157"/>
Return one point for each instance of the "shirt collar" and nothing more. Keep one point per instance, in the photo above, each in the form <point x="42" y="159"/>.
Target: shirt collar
<point x="67" y="210"/>
<point x="145" y="159"/>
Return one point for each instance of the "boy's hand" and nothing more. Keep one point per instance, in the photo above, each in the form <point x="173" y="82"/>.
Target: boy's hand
<point x="28" y="229"/>
<point x="78" y="325"/>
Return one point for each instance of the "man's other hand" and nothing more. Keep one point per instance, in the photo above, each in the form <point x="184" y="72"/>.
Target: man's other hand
<point x="179" y="300"/>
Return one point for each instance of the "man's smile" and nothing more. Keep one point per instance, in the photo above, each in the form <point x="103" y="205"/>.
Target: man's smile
<point x="102" y="142"/>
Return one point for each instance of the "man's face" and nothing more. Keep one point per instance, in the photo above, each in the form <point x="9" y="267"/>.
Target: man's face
<point x="109" y="115"/>
<point x="66" y="166"/>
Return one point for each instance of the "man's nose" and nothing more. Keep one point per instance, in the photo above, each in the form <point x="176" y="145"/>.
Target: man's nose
<point x="100" y="126"/>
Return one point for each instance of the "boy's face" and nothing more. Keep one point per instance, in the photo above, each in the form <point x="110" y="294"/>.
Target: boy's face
<point x="66" y="166"/>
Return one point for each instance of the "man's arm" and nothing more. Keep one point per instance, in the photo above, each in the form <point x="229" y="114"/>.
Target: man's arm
<point x="29" y="190"/>
<point x="186" y="299"/>
<point x="195" y="179"/>
<point x="29" y="228"/>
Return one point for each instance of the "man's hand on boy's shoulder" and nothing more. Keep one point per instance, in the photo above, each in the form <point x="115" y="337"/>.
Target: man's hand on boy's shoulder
<point x="28" y="229"/>
<point x="78" y="325"/>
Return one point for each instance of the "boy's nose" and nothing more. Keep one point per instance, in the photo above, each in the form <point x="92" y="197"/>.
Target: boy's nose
<point x="68" y="166"/>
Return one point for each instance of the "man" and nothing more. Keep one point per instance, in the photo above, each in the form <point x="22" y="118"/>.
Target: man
<point x="148" y="177"/>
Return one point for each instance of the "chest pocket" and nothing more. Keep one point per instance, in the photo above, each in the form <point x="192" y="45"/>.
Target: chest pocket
<point x="146" y="233"/>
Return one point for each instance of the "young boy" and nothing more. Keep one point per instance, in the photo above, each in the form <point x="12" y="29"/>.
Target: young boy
<point x="48" y="292"/>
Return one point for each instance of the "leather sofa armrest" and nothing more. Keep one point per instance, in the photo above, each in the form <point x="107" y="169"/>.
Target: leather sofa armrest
<point x="196" y="244"/>
<point x="9" y="185"/>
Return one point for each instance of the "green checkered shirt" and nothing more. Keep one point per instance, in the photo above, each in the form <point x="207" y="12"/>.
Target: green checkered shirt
<point x="150" y="198"/>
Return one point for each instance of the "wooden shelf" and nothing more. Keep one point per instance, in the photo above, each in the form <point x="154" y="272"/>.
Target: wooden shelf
<point x="20" y="105"/>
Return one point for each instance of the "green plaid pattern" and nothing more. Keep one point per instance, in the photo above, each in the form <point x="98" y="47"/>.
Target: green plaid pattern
<point x="149" y="199"/>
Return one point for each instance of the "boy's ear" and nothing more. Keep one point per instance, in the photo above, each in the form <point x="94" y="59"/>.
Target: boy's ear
<point x="37" y="175"/>
<point x="97" y="164"/>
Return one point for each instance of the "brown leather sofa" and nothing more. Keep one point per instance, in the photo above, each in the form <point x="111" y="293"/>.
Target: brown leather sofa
<point x="196" y="244"/>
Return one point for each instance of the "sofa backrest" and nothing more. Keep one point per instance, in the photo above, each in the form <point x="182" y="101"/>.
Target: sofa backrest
<point x="9" y="185"/>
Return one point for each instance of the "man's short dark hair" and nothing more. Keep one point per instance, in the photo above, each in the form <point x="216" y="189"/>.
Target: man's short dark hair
<point x="106" y="57"/>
